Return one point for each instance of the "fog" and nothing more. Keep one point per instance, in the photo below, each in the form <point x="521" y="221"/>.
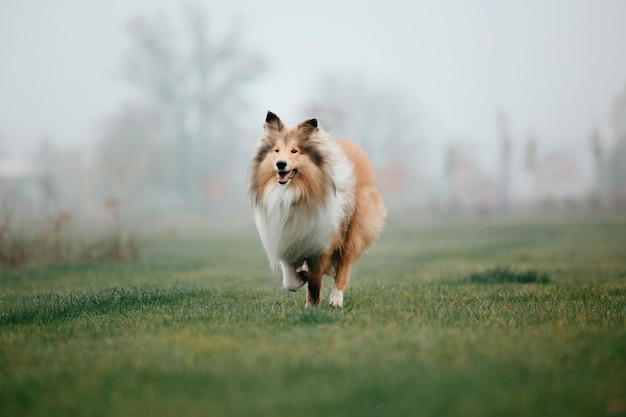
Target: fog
<point x="485" y="108"/>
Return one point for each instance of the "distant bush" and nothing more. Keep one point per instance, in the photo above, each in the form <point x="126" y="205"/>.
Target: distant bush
<point x="12" y="252"/>
<point x="111" y="248"/>
<point x="503" y="275"/>
<point x="49" y="242"/>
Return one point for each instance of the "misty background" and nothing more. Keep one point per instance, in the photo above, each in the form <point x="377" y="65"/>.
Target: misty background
<point x="153" y="107"/>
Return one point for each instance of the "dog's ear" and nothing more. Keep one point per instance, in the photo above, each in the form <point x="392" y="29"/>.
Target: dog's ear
<point x="308" y="126"/>
<point x="273" y="121"/>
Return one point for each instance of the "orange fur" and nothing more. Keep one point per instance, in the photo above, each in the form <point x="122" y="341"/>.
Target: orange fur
<point x="362" y="228"/>
<point x="318" y="179"/>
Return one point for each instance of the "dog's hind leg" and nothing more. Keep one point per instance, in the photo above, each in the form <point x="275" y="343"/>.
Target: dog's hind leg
<point x="342" y="277"/>
<point x="358" y="237"/>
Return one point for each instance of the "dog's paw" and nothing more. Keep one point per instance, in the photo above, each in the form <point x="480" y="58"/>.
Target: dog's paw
<point x="336" y="298"/>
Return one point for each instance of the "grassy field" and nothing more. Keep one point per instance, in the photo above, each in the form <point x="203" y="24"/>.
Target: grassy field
<point x="200" y="327"/>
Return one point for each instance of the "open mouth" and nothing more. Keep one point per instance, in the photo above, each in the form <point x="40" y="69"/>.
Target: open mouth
<point x="285" y="176"/>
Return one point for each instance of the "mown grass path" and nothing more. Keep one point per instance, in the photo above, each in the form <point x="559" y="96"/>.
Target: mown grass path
<point x="199" y="326"/>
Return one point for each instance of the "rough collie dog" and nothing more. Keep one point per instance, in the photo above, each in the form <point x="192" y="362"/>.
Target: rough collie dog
<point x="317" y="205"/>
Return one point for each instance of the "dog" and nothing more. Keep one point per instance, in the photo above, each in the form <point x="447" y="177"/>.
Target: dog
<point x="317" y="205"/>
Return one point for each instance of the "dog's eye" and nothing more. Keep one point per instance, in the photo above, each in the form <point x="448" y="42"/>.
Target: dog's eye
<point x="294" y="151"/>
<point x="276" y="150"/>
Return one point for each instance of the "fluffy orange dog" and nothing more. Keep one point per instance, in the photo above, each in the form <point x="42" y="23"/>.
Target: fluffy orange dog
<point x="317" y="205"/>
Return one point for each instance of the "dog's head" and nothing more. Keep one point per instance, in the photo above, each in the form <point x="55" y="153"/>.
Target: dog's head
<point x="287" y="149"/>
<point x="288" y="154"/>
<point x="297" y="157"/>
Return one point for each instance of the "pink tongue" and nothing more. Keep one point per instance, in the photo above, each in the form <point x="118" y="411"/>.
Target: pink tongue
<point x="284" y="176"/>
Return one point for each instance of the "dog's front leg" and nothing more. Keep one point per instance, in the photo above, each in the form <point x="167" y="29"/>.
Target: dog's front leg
<point x="317" y="267"/>
<point x="291" y="279"/>
<point x="313" y="292"/>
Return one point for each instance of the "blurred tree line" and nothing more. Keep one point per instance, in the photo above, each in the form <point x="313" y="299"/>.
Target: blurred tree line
<point x="174" y="146"/>
<point x="384" y="120"/>
<point x="610" y="159"/>
<point x="182" y="142"/>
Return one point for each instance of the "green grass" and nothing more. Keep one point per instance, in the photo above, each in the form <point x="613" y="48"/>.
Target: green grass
<point x="200" y="326"/>
<point x="501" y="275"/>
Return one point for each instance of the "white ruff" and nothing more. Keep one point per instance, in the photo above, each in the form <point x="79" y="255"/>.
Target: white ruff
<point x="290" y="232"/>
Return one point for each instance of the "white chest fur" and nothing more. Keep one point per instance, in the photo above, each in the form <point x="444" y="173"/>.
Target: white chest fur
<point x="292" y="232"/>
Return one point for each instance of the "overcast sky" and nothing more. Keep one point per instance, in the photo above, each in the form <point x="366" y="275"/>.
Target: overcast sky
<point x="555" y="67"/>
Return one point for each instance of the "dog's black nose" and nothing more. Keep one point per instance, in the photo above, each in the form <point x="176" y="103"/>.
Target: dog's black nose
<point x="281" y="164"/>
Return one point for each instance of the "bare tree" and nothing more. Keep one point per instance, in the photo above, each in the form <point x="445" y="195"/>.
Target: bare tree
<point x="598" y="192"/>
<point x="49" y="161"/>
<point x="130" y="155"/>
<point x="615" y="173"/>
<point x="384" y="120"/>
<point x="196" y="80"/>
<point x="504" y="164"/>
